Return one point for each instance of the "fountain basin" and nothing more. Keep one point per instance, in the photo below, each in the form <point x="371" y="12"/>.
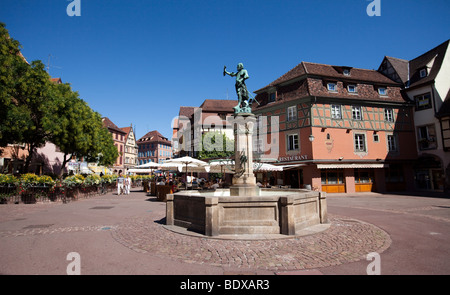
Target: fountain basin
<point x="272" y="211"/>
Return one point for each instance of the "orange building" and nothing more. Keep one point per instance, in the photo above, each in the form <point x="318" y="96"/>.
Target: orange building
<point x="119" y="137"/>
<point x="341" y="129"/>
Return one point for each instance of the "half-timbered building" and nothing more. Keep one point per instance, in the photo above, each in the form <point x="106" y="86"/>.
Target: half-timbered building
<point x="341" y="129"/>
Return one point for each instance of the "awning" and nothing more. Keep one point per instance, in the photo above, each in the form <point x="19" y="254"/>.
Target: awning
<point x="140" y="170"/>
<point x="293" y="166"/>
<point x="351" y="165"/>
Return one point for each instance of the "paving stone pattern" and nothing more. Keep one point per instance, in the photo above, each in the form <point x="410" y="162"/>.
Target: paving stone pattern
<point x="347" y="240"/>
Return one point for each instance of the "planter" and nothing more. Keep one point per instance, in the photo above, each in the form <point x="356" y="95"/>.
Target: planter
<point x="28" y="198"/>
<point x="7" y="191"/>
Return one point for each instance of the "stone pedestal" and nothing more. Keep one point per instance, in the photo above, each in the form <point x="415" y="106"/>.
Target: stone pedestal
<point x="244" y="181"/>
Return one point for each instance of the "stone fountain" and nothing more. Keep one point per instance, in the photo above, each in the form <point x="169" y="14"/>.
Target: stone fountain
<point x="245" y="209"/>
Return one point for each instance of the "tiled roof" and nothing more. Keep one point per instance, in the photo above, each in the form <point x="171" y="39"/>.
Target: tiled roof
<point x="218" y="105"/>
<point x="400" y="66"/>
<point x="110" y="125"/>
<point x="154" y="136"/>
<point x="126" y="129"/>
<point x="329" y="71"/>
<point x="437" y="54"/>
<point x="186" y="111"/>
<point x="56" y="80"/>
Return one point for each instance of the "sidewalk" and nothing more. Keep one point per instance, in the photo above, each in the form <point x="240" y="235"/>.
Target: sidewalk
<point x="124" y="235"/>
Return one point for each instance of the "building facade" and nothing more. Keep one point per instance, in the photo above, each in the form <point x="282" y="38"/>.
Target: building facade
<point x="426" y="85"/>
<point x="154" y="147"/>
<point x="340" y="129"/>
<point x="131" y="148"/>
<point x="193" y="122"/>
<point x="119" y="137"/>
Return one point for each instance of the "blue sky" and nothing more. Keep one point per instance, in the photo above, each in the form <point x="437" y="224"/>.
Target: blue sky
<point x="138" y="61"/>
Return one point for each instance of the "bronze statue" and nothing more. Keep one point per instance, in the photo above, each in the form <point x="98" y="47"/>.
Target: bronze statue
<point x="244" y="104"/>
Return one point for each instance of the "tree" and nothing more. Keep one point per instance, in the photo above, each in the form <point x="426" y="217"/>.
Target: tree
<point x="12" y="67"/>
<point x="34" y="110"/>
<point x="24" y="97"/>
<point x="76" y="129"/>
<point x="216" y="145"/>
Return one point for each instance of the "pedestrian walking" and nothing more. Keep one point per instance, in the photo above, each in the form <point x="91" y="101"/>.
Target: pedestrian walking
<point x="127" y="184"/>
<point x="120" y="183"/>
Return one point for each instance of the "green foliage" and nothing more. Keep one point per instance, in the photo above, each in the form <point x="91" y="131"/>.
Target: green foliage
<point x="73" y="180"/>
<point x="216" y="145"/>
<point x="92" y="179"/>
<point x="34" y="110"/>
<point x="7" y="179"/>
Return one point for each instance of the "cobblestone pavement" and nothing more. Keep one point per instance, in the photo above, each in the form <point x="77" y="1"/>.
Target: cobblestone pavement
<point x="126" y="235"/>
<point x="346" y="240"/>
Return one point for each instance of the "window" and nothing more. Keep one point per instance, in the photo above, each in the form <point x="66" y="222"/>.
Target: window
<point x="423" y="73"/>
<point x="363" y="176"/>
<point x="292" y="113"/>
<point x="394" y="173"/>
<point x="292" y="144"/>
<point x="382" y="91"/>
<point x="356" y="113"/>
<point x="376" y="138"/>
<point x="346" y="72"/>
<point x="392" y="143"/>
<point x="332" y="177"/>
<point x="423" y="101"/>
<point x="426" y="137"/>
<point x="332" y="87"/>
<point x="336" y="111"/>
<point x="389" y="115"/>
<point x="272" y="96"/>
<point x="351" y="88"/>
<point x="360" y="143"/>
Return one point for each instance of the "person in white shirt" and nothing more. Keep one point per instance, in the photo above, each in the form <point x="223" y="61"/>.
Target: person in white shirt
<point x="127" y="185"/>
<point x="120" y="181"/>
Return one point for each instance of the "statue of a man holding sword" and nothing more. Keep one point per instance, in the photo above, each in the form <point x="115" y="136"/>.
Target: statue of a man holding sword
<point x="244" y="105"/>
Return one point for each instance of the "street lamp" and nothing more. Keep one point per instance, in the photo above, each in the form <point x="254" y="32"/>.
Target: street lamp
<point x="311" y="138"/>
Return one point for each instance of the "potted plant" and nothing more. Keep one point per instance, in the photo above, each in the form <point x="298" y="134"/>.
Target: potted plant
<point x="26" y="187"/>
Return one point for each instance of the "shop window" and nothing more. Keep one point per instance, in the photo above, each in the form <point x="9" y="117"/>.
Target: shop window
<point x="332" y="177"/>
<point x="363" y="176"/>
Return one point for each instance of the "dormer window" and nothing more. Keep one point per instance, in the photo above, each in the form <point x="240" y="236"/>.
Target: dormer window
<point x="346" y="72"/>
<point x="332" y="87"/>
<point x="382" y="91"/>
<point x="352" y="88"/>
<point x="272" y="96"/>
<point x="423" y="73"/>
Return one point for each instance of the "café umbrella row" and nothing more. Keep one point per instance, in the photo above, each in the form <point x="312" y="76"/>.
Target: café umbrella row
<point x="190" y="165"/>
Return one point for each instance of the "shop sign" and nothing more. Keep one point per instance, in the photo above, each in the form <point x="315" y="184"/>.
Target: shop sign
<point x="293" y="158"/>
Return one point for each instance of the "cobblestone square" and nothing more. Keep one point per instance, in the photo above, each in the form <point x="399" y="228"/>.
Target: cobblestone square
<point x="410" y="233"/>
